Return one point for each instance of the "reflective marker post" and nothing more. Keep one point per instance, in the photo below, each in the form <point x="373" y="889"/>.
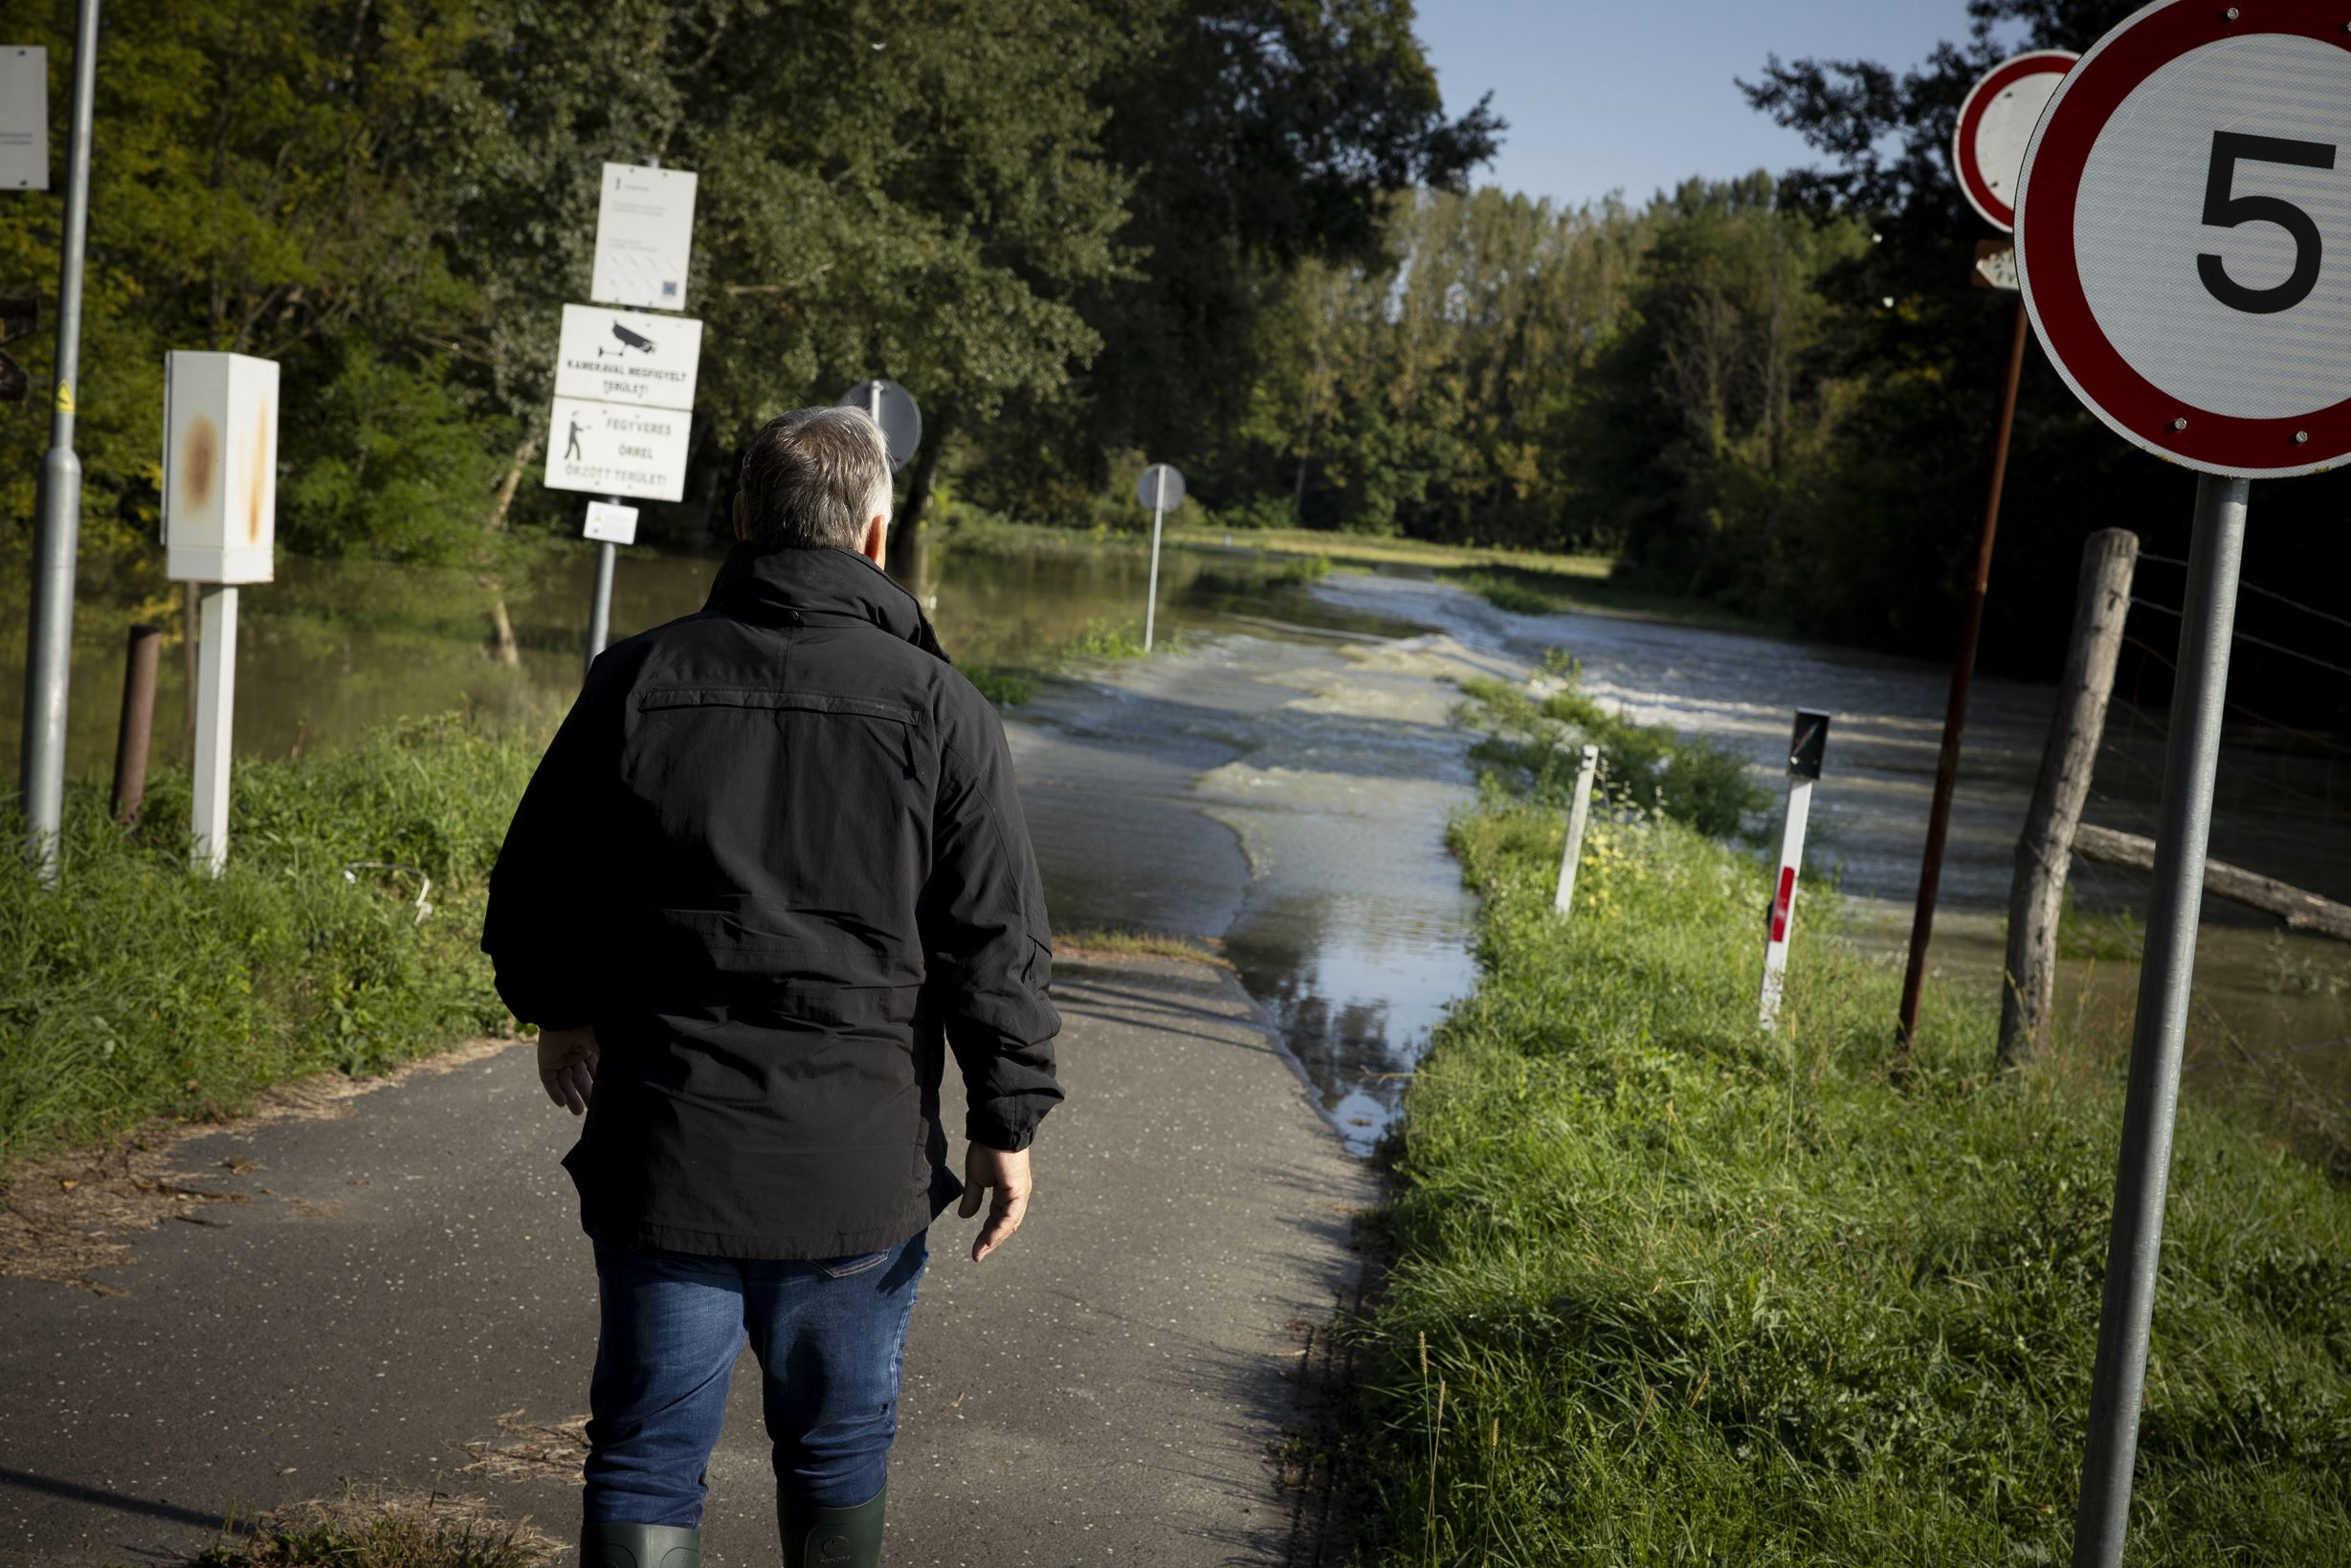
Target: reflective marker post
<point x="1807" y="746"/>
<point x="2191" y="762"/>
<point x="1579" y="812"/>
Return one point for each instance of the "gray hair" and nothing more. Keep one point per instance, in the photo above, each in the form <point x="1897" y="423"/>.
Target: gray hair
<point x="811" y="478"/>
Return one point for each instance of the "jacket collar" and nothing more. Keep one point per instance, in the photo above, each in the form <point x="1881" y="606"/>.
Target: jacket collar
<point x="766" y="585"/>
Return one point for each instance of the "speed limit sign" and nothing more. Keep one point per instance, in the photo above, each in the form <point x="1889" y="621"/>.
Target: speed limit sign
<point x="2184" y="238"/>
<point x="2184" y="234"/>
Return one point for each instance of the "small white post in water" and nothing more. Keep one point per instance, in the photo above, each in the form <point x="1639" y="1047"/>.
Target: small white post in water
<point x="1577" y="813"/>
<point x="1806" y="749"/>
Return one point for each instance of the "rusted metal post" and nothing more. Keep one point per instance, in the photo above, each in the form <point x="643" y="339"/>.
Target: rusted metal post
<point x="138" y="726"/>
<point x="1963" y="671"/>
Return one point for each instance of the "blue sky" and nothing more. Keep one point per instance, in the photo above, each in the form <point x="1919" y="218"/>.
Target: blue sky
<point x="1639" y="93"/>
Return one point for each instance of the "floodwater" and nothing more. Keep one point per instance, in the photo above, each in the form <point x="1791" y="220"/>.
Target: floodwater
<point x="2274" y="1007"/>
<point x="1279" y="781"/>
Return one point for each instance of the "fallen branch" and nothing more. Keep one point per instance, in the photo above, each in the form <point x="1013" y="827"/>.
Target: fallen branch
<point x="2301" y="910"/>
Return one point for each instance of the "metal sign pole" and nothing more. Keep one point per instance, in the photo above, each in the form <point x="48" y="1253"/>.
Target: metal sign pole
<point x="600" y="606"/>
<point x="2191" y="762"/>
<point x="49" y="639"/>
<point x="1150" y="606"/>
<point x="1963" y="671"/>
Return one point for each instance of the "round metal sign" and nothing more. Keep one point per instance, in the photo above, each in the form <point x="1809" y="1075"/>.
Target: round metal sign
<point x="1161" y="488"/>
<point x="2184" y="234"/>
<point x="894" y="409"/>
<point x="1995" y="125"/>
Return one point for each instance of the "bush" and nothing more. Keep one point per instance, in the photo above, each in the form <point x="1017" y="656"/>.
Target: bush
<point x="1262" y="510"/>
<point x="138" y="988"/>
<point x="1533" y="743"/>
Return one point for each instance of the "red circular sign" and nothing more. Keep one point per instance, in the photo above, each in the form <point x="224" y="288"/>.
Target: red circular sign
<point x="2184" y="234"/>
<point x="1995" y="125"/>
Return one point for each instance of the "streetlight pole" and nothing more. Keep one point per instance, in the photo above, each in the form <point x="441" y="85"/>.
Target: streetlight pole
<point x="49" y="641"/>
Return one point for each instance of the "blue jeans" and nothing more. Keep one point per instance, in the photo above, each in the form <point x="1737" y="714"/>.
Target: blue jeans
<point x="830" y="1339"/>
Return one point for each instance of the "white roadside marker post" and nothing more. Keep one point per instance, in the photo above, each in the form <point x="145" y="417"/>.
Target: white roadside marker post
<point x="1577" y="813"/>
<point x="1160" y="489"/>
<point x="220" y="527"/>
<point x="1806" y="749"/>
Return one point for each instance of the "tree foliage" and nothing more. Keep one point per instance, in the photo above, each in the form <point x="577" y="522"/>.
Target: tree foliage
<point x="1025" y="209"/>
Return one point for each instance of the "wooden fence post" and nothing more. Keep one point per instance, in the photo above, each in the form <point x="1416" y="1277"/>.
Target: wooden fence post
<point x="2046" y="849"/>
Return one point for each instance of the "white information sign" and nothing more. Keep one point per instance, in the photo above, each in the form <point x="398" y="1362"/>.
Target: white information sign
<point x="613" y="524"/>
<point x="615" y="449"/>
<point x="644" y="237"/>
<point x="24" y="118"/>
<point x="618" y="356"/>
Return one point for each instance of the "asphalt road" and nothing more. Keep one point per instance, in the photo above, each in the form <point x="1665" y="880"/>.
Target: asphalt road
<point x="405" y="1302"/>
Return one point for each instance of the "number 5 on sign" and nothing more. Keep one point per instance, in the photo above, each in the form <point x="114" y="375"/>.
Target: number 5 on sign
<point x="2184" y="234"/>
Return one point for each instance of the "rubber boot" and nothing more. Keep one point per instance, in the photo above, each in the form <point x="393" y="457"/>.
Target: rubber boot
<point x="832" y="1537"/>
<point x="639" y="1546"/>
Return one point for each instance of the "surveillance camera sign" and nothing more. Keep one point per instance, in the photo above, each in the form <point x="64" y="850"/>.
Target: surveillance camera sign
<point x="615" y="449"/>
<point x="619" y="356"/>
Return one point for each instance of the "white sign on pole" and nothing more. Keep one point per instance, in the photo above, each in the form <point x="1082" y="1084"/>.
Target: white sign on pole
<point x="2183" y="235"/>
<point x="24" y="118"/>
<point x="1995" y="125"/>
<point x="616" y="356"/>
<point x="893" y="408"/>
<point x="611" y="523"/>
<point x="1160" y="487"/>
<point x="644" y="237"/>
<point x="615" y="449"/>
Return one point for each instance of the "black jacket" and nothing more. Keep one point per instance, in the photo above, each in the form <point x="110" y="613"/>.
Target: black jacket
<point x="773" y="854"/>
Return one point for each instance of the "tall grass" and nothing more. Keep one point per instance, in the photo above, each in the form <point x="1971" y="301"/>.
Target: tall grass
<point x="135" y="989"/>
<point x="1701" y="1295"/>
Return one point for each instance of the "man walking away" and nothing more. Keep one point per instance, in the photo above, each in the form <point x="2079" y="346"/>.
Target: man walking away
<point x="770" y="870"/>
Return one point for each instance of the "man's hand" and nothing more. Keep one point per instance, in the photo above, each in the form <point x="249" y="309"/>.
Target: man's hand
<point x="1009" y="1175"/>
<point x="567" y="1066"/>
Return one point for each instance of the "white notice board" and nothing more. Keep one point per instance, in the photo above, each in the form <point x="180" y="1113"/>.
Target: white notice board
<point x="610" y="523"/>
<point x="619" y="356"/>
<point x="644" y="237"/>
<point x="24" y="118"/>
<point x="618" y="450"/>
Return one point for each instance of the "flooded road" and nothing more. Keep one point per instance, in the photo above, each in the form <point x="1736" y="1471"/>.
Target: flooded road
<point x="1279" y="781"/>
<point x="2273" y="1006"/>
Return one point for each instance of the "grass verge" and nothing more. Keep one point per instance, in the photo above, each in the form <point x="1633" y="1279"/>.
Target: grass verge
<point x="1668" y="1289"/>
<point x="135" y="989"/>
